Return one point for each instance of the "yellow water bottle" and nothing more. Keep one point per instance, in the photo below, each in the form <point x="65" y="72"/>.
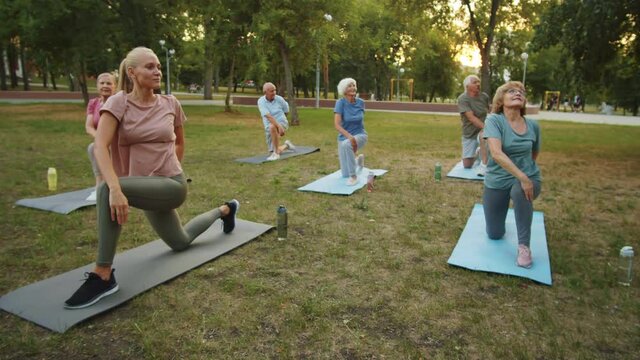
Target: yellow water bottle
<point x="52" y="179"/>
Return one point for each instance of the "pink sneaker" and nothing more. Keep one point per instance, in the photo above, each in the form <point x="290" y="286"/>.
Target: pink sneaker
<point x="524" y="256"/>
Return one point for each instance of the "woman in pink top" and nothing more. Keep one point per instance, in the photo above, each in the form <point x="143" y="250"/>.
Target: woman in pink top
<point x="145" y="134"/>
<point x="106" y="84"/>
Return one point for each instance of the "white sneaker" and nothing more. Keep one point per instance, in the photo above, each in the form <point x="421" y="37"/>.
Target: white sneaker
<point x="290" y="145"/>
<point x="481" y="170"/>
<point x="352" y="181"/>
<point x="274" y="156"/>
<point x="360" y="163"/>
<point x="92" y="196"/>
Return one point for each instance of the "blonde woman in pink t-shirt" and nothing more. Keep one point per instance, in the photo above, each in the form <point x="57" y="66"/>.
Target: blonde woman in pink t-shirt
<point x="106" y="84"/>
<point x="145" y="135"/>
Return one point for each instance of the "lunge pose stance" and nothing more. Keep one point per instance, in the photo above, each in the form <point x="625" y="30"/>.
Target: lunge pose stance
<point x="273" y="110"/>
<point x="514" y="144"/>
<point x="106" y="84"/>
<point x="473" y="106"/>
<point x="146" y="136"/>
<point x="348" y="119"/>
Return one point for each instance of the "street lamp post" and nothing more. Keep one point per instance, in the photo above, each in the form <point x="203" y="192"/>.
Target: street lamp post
<point x="168" y="53"/>
<point x="524" y="57"/>
<point x="400" y="72"/>
<point x="327" y="17"/>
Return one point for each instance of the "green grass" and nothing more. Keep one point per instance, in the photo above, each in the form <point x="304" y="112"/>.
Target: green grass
<point x="360" y="277"/>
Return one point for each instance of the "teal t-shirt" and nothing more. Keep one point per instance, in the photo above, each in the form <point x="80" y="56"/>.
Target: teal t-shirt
<point x="518" y="147"/>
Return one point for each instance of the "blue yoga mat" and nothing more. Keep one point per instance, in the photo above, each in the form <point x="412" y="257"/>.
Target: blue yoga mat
<point x="460" y="172"/>
<point x="337" y="185"/>
<point x="475" y="251"/>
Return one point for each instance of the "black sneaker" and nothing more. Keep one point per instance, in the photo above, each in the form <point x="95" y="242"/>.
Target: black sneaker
<point x="93" y="289"/>
<point x="229" y="221"/>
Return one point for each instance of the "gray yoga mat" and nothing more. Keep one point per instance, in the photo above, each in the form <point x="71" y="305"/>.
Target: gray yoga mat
<point x="300" y="150"/>
<point x="136" y="271"/>
<point x="63" y="203"/>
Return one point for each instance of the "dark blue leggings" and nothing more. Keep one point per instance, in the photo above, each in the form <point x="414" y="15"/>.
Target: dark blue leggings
<point x="496" y="205"/>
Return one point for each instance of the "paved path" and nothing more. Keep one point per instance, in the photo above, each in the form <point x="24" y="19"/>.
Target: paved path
<point x="542" y="115"/>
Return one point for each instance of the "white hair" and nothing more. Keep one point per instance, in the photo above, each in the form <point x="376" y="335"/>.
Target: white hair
<point x="344" y="83"/>
<point x="267" y="86"/>
<point x="468" y="80"/>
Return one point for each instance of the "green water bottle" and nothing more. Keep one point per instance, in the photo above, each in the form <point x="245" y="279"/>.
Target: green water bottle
<point x="282" y="222"/>
<point x="438" y="172"/>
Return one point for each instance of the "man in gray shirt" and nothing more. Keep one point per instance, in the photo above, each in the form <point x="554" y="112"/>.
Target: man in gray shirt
<point x="473" y="107"/>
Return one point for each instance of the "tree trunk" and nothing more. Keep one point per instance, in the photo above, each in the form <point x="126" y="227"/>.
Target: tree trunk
<point x="295" y="120"/>
<point x="45" y="78"/>
<point x="82" y="79"/>
<point x="216" y="78"/>
<point x="3" y="74"/>
<point x="227" y="100"/>
<point x="53" y="79"/>
<point x="484" y="47"/>
<point x="25" y="73"/>
<point x="208" y="59"/>
<point x="325" y="75"/>
<point x="13" y="65"/>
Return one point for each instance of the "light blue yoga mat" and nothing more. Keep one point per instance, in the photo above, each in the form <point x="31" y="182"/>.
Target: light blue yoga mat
<point x="337" y="185"/>
<point x="63" y="203"/>
<point x="460" y="172"/>
<point x="300" y="150"/>
<point x="475" y="251"/>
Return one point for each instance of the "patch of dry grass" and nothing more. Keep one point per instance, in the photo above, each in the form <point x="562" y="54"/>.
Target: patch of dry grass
<point x="360" y="277"/>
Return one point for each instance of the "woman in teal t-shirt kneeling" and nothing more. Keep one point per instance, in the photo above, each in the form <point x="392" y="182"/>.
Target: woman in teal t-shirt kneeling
<point x="512" y="173"/>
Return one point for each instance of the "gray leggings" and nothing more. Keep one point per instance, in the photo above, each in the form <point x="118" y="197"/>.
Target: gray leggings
<point x="496" y="204"/>
<point x="158" y="196"/>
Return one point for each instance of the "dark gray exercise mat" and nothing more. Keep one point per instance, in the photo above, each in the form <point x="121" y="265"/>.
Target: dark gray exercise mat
<point x="300" y="150"/>
<point x="136" y="271"/>
<point x="60" y="203"/>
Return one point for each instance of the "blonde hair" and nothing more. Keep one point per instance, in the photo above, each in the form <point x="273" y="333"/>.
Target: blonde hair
<point x="498" y="98"/>
<point x="132" y="60"/>
<point x="344" y="83"/>
<point x="104" y="74"/>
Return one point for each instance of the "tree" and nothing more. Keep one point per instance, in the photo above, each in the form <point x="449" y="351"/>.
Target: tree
<point x="286" y="26"/>
<point x="601" y="39"/>
<point x="482" y="30"/>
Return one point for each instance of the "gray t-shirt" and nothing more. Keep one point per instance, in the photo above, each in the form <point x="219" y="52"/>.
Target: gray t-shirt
<point x="479" y="105"/>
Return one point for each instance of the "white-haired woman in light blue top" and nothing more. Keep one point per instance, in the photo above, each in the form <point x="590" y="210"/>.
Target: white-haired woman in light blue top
<point x="348" y="119"/>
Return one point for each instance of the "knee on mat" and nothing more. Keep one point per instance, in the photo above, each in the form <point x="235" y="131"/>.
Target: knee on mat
<point x="178" y="248"/>
<point x="495" y="235"/>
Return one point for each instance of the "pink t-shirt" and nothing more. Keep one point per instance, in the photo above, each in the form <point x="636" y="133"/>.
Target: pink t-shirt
<point x="146" y="135"/>
<point x="93" y="109"/>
